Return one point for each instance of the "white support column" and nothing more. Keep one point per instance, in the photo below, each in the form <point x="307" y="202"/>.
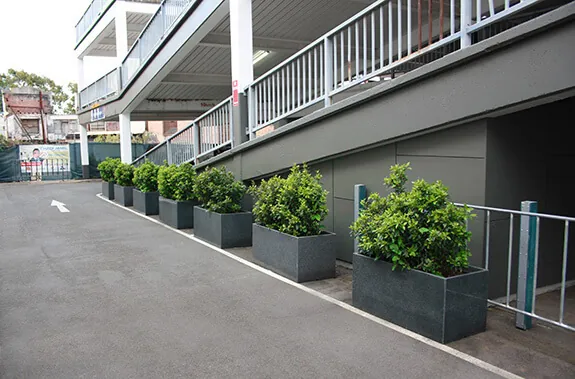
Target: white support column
<point x="84" y="153"/>
<point x="241" y="41"/>
<point x="121" y="24"/>
<point x="125" y="138"/>
<point x="81" y="82"/>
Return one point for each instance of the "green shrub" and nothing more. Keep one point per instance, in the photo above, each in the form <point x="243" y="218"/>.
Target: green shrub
<point x="146" y="177"/>
<point x="167" y="181"/>
<point x="185" y="181"/>
<point x="177" y="182"/>
<point x="124" y="175"/>
<point x="295" y="205"/>
<point x="218" y="191"/>
<point x="107" y="169"/>
<point x="418" y="229"/>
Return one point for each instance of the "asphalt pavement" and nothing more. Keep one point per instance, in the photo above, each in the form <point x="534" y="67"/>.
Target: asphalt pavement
<point x="99" y="292"/>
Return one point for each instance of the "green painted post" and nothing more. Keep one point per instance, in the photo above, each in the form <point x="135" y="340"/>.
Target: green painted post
<point x="527" y="264"/>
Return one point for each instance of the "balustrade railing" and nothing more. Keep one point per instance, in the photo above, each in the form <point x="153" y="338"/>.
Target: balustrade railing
<point x="207" y="134"/>
<point x="388" y="37"/>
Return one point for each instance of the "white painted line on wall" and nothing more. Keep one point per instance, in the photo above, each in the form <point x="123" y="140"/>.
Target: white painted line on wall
<point x="449" y="350"/>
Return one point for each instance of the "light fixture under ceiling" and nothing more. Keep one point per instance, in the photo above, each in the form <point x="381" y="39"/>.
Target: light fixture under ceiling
<point x="260" y="55"/>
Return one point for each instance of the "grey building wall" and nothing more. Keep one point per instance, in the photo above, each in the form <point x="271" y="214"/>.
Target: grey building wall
<point x="530" y="156"/>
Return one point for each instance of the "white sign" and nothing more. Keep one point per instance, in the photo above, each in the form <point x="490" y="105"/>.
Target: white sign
<point x="97" y="114"/>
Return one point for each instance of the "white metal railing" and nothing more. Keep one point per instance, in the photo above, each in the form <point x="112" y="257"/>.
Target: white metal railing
<point x="520" y="239"/>
<point x="95" y="10"/>
<point x="208" y="133"/>
<point x="158" y="26"/>
<point x="108" y="85"/>
<point x="388" y="36"/>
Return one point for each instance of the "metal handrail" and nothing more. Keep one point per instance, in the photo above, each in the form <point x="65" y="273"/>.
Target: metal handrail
<point x="220" y="119"/>
<point x="377" y="41"/>
<point x="103" y="6"/>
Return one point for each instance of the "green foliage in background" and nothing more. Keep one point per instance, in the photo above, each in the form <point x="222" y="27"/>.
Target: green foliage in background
<point x="146" y="177"/>
<point x="218" y="191"/>
<point x="62" y="100"/>
<point x="107" y="169"/>
<point x="124" y="175"/>
<point x="418" y="229"/>
<point x="295" y="205"/>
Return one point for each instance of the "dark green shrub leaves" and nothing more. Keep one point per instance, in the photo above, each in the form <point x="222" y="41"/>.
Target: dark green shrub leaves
<point x="124" y="175"/>
<point x="146" y="177"/>
<point x="218" y="191"/>
<point x="177" y="182"/>
<point x="107" y="169"/>
<point x="295" y="205"/>
<point x="418" y="229"/>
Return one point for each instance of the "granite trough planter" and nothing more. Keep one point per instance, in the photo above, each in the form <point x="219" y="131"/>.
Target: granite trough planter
<point x="443" y="309"/>
<point x="224" y="230"/>
<point x="300" y="259"/>
<point x="147" y="203"/>
<point x="108" y="190"/>
<point x="177" y="214"/>
<point x="124" y="195"/>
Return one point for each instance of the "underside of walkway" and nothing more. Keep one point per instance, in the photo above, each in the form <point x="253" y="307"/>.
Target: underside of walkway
<point x="100" y="292"/>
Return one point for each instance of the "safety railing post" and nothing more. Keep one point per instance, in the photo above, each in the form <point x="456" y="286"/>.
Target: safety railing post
<point x="465" y="22"/>
<point x="328" y="70"/>
<point x="251" y="113"/>
<point x="526" y="277"/>
<point x="196" y="134"/>
<point x="169" y="150"/>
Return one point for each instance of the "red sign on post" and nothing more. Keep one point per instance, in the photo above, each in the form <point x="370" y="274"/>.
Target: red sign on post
<point x="236" y="94"/>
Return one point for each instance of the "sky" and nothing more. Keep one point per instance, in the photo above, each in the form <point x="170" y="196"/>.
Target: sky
<point x="39" y="36"/>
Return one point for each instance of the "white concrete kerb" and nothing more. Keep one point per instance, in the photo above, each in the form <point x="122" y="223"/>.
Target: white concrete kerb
<point x="468" y="358"/>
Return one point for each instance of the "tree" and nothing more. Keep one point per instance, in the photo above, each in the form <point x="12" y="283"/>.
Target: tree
<point x="63" y="102"/>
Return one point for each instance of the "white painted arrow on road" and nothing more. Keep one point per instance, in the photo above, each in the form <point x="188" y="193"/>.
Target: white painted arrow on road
<point x="61" y="206"/>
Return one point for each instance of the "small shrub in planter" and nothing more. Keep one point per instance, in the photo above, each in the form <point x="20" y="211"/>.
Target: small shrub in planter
<point x="107" y="168"/>
<point x="287" y="233"/>
<point x="412" y="267"/>
<point x="146" y="195"/>
<point x="219" y="219"/>
<point x="124" y="187"/>
<point x="177" y="196"/>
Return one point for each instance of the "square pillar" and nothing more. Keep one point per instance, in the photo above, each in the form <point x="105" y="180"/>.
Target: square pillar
<point x="242" y="51"/>
<point x="80" y="66"/>
<point x="125" y="138"/>
<point x="121" y="25"/>
<point x="84" y="153"/>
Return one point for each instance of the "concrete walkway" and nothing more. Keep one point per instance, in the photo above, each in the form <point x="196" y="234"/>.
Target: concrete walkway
<point x="102" y="293"/>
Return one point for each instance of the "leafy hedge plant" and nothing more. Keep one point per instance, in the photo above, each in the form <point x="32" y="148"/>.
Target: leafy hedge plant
<point x="295" y="205"/>
<point x="107" y="169"/>
<point x="419" y="229"/>
<point x="177" y="182"/>
<point x="146" y="177"/>
<point x="124" y="175"/>
<point x="218" y="191"/>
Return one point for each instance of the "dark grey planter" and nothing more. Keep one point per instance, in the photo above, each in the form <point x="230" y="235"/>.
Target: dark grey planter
<point x="301" y="259"/>
<point x="223" y="230"/>
<point x="177" y="214"/>
<point x="124" y="195"/>
<point x="443" y="309"/>
<point x="147" y="203"/>
<point x="108" y="190"/>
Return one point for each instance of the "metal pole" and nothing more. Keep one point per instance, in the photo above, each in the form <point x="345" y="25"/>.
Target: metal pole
<point x="527" y="265"/>
<point x="328" y="70"/>
<point x="359" y="194"/>
<point x="465" y="23"/>
<point x="196" y="134"/>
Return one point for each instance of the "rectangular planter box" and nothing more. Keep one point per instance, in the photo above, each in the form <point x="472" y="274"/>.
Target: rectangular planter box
<point x="177" y="214"/>
<point x="300" y="259"/>
<point x="147" y="202"/>
<point x="443" y="309"/>
<point x="223" y="230"/>
<point x="123" y="195"/>
<point x="108" y="190"/>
